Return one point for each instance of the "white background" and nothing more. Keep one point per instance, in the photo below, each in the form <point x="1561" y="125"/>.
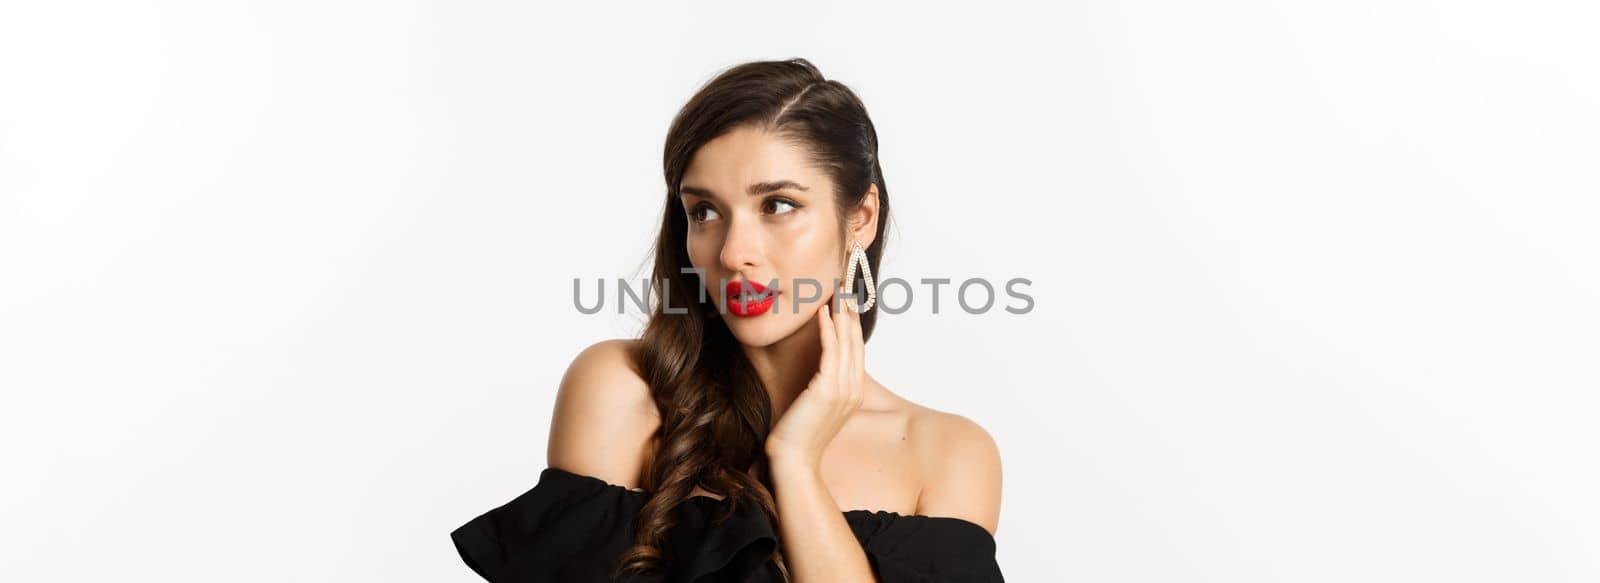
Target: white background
<point x="285" y="287"/>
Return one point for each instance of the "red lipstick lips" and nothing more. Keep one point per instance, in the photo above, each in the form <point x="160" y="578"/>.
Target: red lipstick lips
<point x="754" y="304"/>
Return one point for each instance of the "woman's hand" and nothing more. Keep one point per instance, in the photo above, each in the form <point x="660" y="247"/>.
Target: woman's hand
<point x="816" y="415"/>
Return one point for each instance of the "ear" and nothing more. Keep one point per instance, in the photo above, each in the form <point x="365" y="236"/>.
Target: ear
<point x="861" y="222"/>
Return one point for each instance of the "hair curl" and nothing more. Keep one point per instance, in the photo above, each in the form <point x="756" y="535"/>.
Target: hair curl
<point x="715" y="412"/>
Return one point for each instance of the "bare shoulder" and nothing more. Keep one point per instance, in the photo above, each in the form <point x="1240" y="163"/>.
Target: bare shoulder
<point x="962" y="471"/>
<point x="603" y="417"/>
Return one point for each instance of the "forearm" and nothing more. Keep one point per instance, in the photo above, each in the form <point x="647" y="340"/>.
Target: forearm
<point x="818" y="545"/>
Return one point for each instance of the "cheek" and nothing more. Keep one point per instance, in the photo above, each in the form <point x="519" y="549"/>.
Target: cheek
<point x="809" y="254"/>
<point x="703" y="255"/>
<point x="701" y="250"/>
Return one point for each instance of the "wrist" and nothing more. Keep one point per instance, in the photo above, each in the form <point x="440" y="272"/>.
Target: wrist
<point x="785" y="460"/>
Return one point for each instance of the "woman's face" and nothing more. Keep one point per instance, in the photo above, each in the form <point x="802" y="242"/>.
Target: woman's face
<point x="757" y="211"/>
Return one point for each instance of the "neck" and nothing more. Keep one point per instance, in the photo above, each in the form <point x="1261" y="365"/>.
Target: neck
<point x="787" y="366"/>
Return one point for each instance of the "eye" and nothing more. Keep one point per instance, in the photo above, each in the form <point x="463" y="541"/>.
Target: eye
<point x="774" y="202"/>
<point x="695" y="212"/>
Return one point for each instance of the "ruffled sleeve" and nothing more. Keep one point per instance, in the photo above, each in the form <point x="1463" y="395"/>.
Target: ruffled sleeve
<point x="573" y="528"/>
<point x="925" y="549"/>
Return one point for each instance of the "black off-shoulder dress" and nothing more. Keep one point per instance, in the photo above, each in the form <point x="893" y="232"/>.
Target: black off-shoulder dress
<point x="572" y="528"/>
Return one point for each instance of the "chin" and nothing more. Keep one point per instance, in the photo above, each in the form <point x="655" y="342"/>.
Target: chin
<point x="764" y="330"/>
<point x="754" y="333"/>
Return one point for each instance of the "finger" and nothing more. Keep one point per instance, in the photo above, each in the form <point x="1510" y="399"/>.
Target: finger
<point x="825" y="329"/>
<point x="856" y="358"/>
<point x="846" y="312"/>
<point x="858" y="343"/>
<point x="842" y="340"/>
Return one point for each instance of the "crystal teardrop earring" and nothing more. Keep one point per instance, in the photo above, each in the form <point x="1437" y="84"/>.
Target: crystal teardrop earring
<point x="857" y="255"/>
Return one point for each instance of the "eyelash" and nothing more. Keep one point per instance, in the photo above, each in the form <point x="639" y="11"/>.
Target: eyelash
<point x="694" y="210"/>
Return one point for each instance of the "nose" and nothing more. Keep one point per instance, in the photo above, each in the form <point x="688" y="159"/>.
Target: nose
<point x="741" y="249"/>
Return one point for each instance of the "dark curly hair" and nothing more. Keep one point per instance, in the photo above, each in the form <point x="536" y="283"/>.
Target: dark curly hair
<point x="715" y="413"/>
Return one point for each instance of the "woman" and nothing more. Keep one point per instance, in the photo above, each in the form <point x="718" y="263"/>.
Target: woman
<point x="664" y="460"/>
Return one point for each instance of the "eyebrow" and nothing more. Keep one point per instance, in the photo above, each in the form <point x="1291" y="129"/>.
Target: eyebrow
<point x="756" y="189"/>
